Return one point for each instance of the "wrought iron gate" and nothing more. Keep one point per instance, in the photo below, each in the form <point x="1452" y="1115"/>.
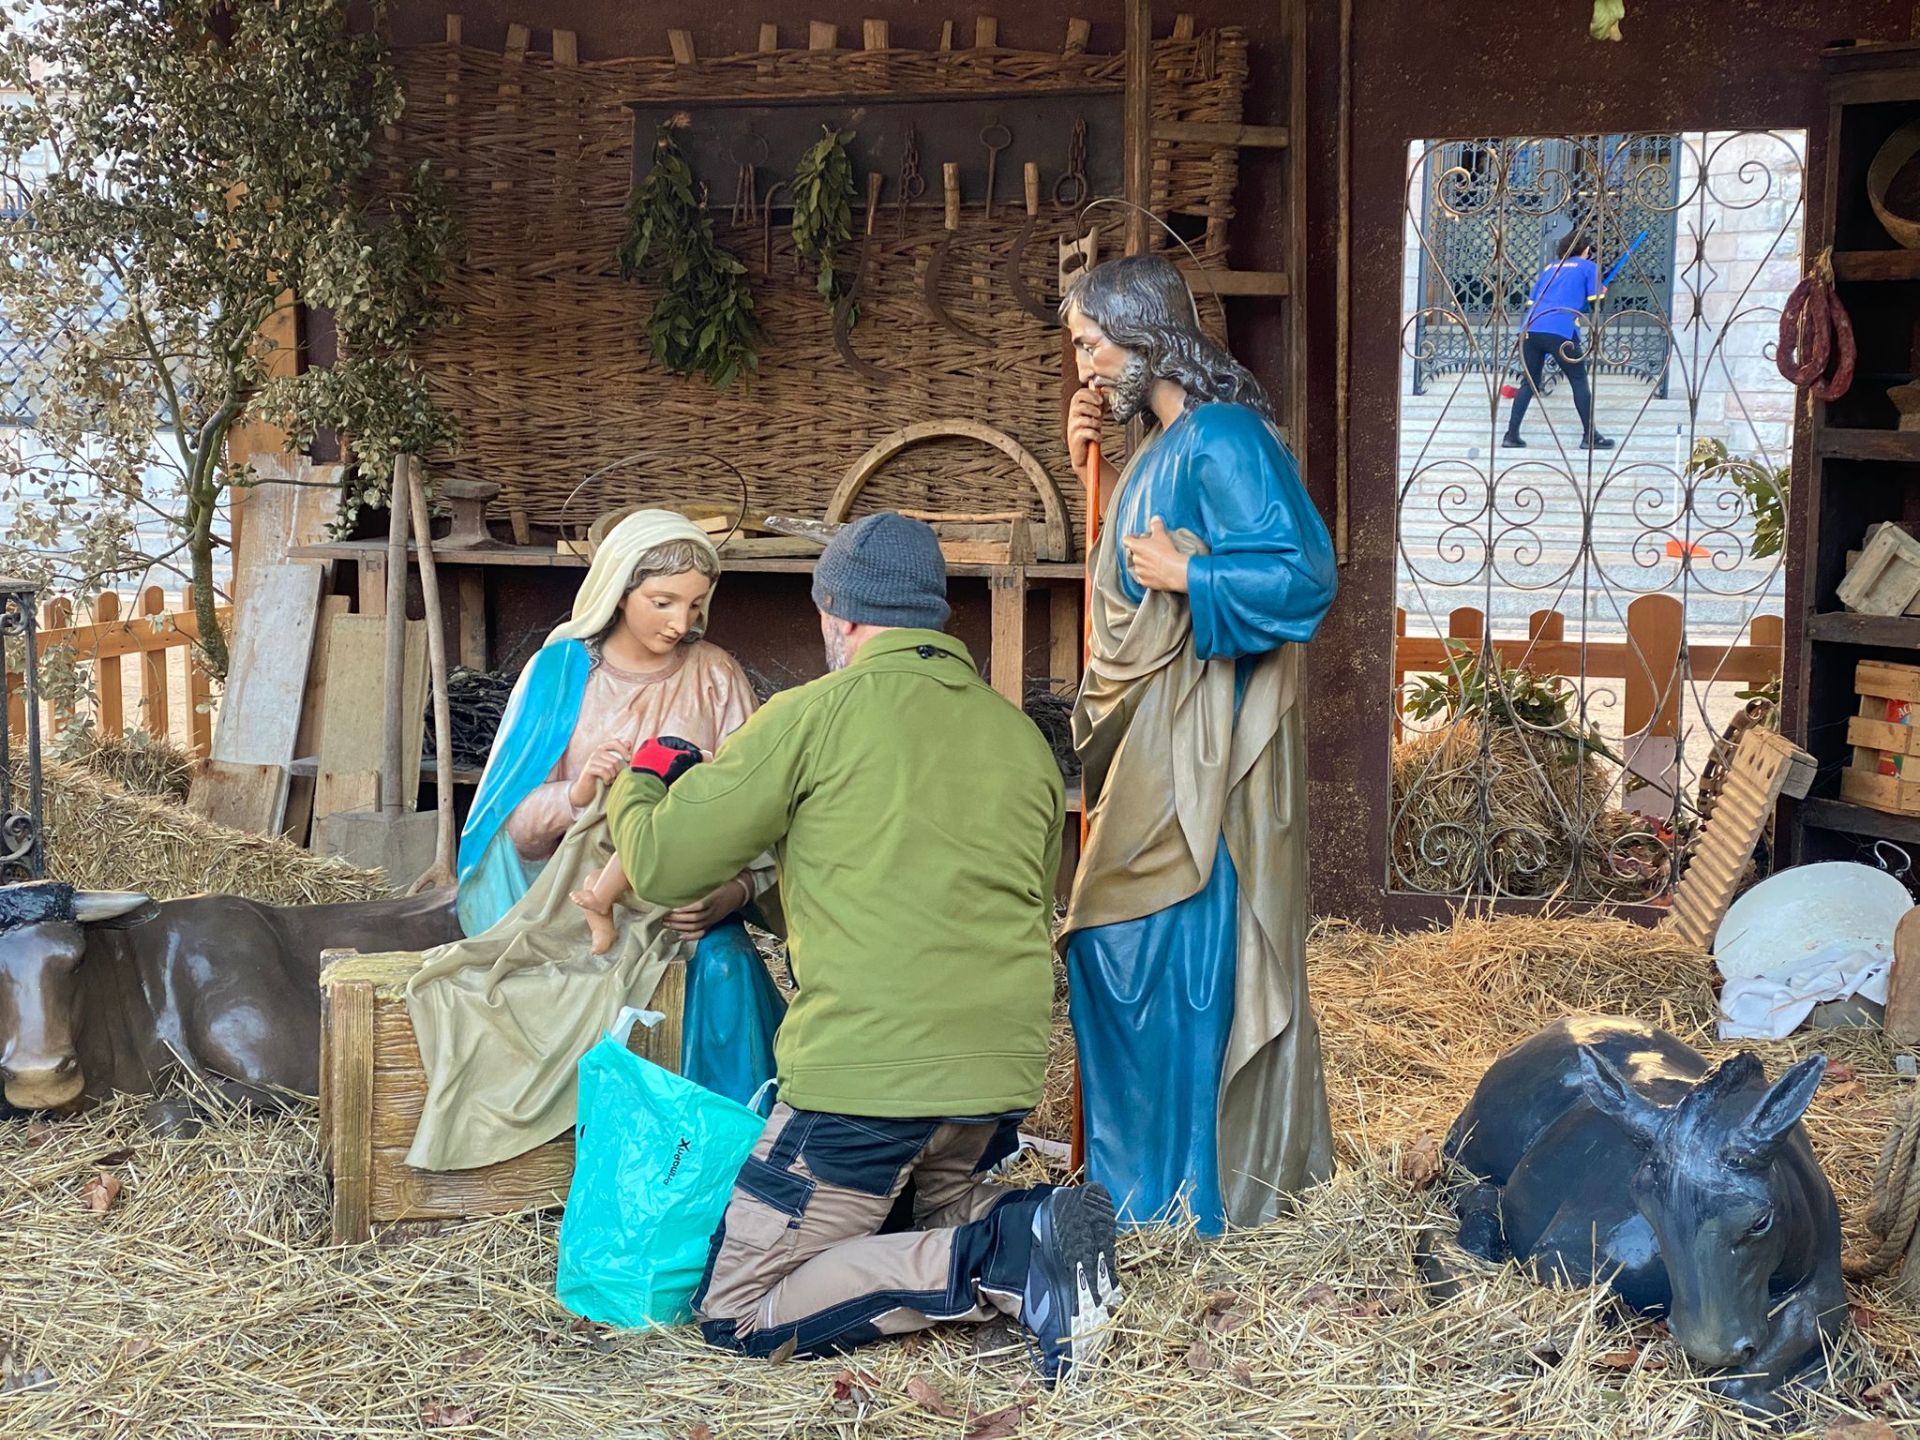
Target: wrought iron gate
<point x="1493" y="210"/>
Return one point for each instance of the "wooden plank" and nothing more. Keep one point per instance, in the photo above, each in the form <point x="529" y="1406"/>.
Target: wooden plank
<point x="470" y="601"/>
<point x="1656" y="629"/>
<point x="1182" y="26"/>
<point x="57" y="614"/>
<point x="344" y="792"/>
<point x="1063" y="639"/>
<point x="1427" y="655"/>
<point x="1893" y="632"/>
<point x="275" y="617"/>
<point x="153" y="668"/>
<point x="1903" y="982"/>
<point x="346" y="1048"/>
<point x="681" y="43"/>
<point x="239" y="795"/>
<point x="1206" y="132"/>
<point x="1207" y="280"/>
<point x="352" y="723"/>
<point x="986" y="32"/>
<point x="1008" y="653"/>
<point x="1876" y="264"/>
<point x="537" y="1180"/>
<point x="1886" y="679"/>
<point x="822" y="36"/>
<point x="1079" y="32"/>
<point x="1891" y="793"/>
<point x="1137" y="129"/>
<point x="112" y="716"/>
<point x="300" y="787"/>
<point x="873" y="35"/>
<point x="1887" y="577"/>
<point x="1849" y="443"/>
<point x="566" y="47"/>
<point x="136" y="634"/>
<point x="769" y="38"/>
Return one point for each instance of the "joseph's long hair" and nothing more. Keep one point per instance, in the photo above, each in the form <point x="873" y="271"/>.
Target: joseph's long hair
<point x="1142" y="303"/>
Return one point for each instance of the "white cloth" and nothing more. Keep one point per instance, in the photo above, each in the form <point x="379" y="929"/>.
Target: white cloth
<point x="1772" y="1006"/>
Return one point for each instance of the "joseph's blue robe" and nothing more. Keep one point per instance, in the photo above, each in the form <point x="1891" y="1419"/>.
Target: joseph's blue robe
<point x="732" y="1007"/>
<point x="1152" y="998"/>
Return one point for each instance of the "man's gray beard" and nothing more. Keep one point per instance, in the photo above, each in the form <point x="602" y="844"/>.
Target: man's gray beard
<point x="1128" y="397"/>
<point x="836" y="648"/>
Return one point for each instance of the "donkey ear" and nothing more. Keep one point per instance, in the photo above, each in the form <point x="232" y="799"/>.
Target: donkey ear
<point x="1614" y="1096"/>
<point x="1756" y="1138"/>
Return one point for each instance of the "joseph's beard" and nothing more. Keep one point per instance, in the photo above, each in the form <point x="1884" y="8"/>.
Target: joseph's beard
<point x="1127" y="397"/>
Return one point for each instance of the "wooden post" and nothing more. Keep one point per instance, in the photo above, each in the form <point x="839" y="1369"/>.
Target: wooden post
<point x="57" y="614"/>
<point x="346" y="1057"/>
<point x="107" y="677"/>
<point x="1655" y="630"/>
<point x="1007" y="585"/>
<point x="1063" y="638"/>
<point x="1078" y="33"/>
<point x="1138" y="115"/>
<point x="390" y="749"/>
<point x="822" y="36"/>
<point x="153" y="668"/>
<point x="986" y="32"/>
<point x="470" y="590"/>
<point x="199" y="704"/>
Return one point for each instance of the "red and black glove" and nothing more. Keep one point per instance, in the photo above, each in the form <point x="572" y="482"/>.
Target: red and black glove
<point x="666" y="756"/>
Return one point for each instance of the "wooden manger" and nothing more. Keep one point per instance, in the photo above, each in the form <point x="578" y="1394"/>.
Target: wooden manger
<point x="373" y="1089"/>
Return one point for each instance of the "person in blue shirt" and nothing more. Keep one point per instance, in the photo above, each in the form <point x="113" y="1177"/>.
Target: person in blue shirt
<point x="1561" y="295"/>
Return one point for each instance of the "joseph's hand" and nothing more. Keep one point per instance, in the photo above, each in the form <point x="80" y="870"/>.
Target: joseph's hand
<point x="1156" y="562"/>
<point x="1083" y="428"/>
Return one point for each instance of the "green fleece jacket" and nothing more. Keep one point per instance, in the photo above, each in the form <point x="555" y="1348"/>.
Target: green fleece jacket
<point x="916" y="818"/>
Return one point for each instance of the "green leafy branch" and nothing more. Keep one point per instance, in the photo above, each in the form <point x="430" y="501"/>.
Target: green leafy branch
<point x="704" y="321"/>
<point x="822" y="193"/>
<point x="1484" y="686"/>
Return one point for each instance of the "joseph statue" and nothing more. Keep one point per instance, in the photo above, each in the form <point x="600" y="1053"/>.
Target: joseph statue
<point x="1186" y="937"/>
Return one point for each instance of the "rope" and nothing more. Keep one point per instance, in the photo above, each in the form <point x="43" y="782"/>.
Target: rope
<point x="1896" y="1198"/>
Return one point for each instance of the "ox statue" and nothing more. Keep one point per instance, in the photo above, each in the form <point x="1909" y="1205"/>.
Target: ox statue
<point x="107" y="991"/>
<point x="1607" y="1150"/>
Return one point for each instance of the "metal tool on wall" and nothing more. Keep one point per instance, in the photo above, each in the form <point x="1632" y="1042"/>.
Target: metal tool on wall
<point x="766" y="229"/>
<point x="996" y="137"/>
<point x="746" y="204"/>
<point x="1070" y="188"/>
<point x="912" y="183"/>
<point x="843" y="312"/>
<point x="950" y="183"/>
<point x="1016" y="280"/>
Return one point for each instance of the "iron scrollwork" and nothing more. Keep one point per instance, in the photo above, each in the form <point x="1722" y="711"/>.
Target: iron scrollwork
<point x="22" y="840"/>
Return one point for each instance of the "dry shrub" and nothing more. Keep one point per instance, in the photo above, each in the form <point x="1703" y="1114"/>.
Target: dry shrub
<point x="138" y="761"/>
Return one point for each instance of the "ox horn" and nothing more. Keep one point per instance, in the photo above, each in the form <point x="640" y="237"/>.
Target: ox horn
<point x="93" y="906"/>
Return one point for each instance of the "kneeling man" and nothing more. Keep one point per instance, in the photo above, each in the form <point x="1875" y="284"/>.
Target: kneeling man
<point x="916" y="818"/>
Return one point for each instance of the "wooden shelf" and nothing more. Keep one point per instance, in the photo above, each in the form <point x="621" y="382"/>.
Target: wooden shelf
<point x="1876" y="264"/>
<point x="1850" y="819"/>
<point x="537" y="557"/>
<point x="1843" y="627"/>
<point x="1859" y="444"/>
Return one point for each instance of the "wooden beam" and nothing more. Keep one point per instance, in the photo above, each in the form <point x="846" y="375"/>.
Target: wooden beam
<point x="769" y="38"/>
<point x="566" y="47"/>
<point x="822" y="36"/>
<point x="1183" y="26"/>
<point x="986" y="32"/>
<point x="1079" y="32"/>
<point x="346" y="1030"/>
<point x="873" y="35"/>
<point x="1007" y="585"/>
<point x="681" y="43"/>
<point x="1268" y="137"/>
<point x="1138" y="129"/>
<point x="1063" y="638"/>
<point x="946" y="35"/>
<point x="1236" y="282"/>
<point x="107" y="677"/>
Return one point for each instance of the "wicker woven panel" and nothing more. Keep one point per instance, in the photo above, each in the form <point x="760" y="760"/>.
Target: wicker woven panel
<point x="545" y="367"/>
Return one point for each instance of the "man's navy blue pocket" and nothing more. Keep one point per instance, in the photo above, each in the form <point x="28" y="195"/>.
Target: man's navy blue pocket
<point x="782" y="1189"/>
<point x="863" y="1154"/>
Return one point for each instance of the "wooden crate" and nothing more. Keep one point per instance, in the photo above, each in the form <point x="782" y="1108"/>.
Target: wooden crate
<point x="373" y="1088"/>
<point x="1884" y="739"/>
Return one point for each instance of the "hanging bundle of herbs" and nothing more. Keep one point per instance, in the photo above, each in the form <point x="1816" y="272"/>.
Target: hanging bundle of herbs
<point x="822" y="194"/>
<point x="703" y="322"/>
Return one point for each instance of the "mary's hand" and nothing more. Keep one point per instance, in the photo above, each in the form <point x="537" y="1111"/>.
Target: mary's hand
<point x="603" y="767"/>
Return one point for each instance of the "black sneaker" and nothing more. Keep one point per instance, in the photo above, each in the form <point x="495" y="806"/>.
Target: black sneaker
<point x="1596" y="442"/>
<point x="1510" y="441"/>
<point x="1070" y="1290"/>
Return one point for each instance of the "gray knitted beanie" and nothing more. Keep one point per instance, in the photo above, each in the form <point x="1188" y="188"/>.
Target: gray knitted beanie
<point x="884" y="569"/>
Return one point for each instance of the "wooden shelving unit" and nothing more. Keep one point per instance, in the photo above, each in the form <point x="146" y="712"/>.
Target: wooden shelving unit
<point x="1857" y="469"/>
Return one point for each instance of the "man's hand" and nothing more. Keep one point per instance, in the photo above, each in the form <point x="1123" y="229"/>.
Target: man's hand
<point x="1154" y="559"/>
<point x="606" y="762"/>
<point x="1083" y="427"/>
<point x="666" y="756"/>
<point x="697" y="919"/>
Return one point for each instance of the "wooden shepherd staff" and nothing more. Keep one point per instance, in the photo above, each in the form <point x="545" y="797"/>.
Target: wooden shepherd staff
<point x="1078" y="1158"/>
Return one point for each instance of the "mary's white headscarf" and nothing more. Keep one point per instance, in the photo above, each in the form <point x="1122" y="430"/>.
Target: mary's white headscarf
<point x="606" y="583"/>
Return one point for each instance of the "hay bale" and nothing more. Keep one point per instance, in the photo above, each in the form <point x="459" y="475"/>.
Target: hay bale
<point x="103" y="837"/>
<point x="139" y="761"/>
<point x="1548" y="828"/>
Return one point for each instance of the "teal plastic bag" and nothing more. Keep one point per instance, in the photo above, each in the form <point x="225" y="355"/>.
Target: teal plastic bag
<point x="655" y="1157"/>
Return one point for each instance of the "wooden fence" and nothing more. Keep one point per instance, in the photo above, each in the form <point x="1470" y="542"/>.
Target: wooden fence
<point x="1647" y="660"/>
<point x="115" y="636"/>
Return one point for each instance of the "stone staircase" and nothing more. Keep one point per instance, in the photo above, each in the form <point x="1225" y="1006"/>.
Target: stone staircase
<point x="1552" y="501"/>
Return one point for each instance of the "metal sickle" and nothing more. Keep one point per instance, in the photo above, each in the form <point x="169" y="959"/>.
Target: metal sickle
<point x="843" y="312"/>
<point x="950" y="175"/>
<point x="1016" y="281"/>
